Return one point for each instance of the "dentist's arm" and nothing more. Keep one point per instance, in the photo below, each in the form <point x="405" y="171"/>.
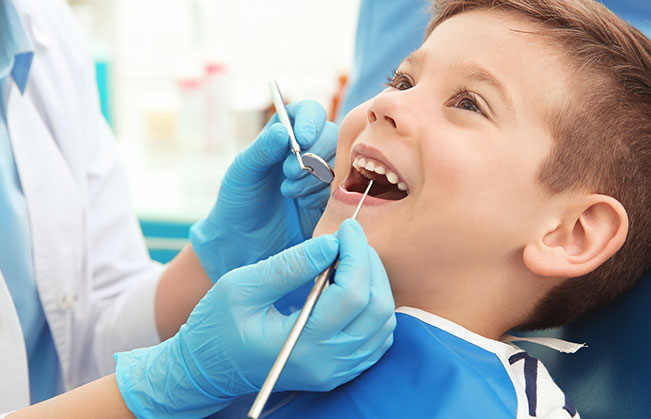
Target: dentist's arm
<point x="234" y="334"/>
<point x="265" y="205"/>
<point x="99" y="399"/>
<point x="181" y="286"/>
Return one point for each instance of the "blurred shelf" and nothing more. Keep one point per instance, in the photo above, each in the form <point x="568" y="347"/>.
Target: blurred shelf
<point x="172" y="185"/>
<point x="164" y="239"/>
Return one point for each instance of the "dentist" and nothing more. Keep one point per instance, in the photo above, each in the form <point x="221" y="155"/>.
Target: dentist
<point x="77" y="285"/>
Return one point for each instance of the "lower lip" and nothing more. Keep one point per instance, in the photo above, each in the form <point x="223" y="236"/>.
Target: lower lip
<point x="353" y="198"/>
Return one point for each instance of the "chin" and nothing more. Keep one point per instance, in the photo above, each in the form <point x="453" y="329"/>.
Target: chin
<point x="331" y="220"/>
<point x="327" y="223"/>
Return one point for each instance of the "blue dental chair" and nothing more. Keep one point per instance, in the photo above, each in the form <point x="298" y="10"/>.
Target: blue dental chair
<point x="611" y="378"/>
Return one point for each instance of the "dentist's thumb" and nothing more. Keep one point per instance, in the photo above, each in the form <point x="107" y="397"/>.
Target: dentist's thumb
<point x="280" y="274"/>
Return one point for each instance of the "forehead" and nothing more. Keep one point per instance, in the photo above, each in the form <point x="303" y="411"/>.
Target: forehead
<point x="505" y="50"/>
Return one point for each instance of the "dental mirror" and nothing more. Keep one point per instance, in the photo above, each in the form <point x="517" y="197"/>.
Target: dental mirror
<point x="309" y="162"/>
<point x="318" y="167"/>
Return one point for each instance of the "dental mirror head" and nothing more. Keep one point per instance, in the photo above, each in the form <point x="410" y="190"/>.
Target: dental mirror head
<point x="318" y="167"/>
<point x="309" y="162"/>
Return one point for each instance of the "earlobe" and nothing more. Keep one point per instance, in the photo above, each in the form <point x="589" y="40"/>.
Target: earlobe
<point x="586" y="236"/>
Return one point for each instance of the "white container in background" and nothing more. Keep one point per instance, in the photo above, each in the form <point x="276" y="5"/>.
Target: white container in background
<point x="248" y="109"/>
<point x="218" y="131"/>
<point x="191" y="132"/>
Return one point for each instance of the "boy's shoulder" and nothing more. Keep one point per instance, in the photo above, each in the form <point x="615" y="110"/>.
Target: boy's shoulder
<point x="436" y="369"/>
<point x="507" y="370"/>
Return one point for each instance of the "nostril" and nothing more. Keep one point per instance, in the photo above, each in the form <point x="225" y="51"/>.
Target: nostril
<point x="371" y="116"/>
<point x="389" y="119"/>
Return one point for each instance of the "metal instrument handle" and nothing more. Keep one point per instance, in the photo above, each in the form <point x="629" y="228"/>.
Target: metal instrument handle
<point x="283" y="356"/>
<point x="283" y="116"/>
<point x="319" y="285"/>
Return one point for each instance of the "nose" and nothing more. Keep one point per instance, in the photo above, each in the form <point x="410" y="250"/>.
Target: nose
<point x="372" y="117"/>
<point x="389" y="110"/>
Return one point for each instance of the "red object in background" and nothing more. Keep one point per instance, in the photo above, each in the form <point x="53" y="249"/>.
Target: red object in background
<point x="212" y="68"/>
<point x="338" y="97"/>
<point x="189" y="83"/>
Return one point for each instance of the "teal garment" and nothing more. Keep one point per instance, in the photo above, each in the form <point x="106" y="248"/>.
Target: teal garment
<point x="387" y="31"/>
<point x="16" y="53"/>
<point x="636" y="12"/>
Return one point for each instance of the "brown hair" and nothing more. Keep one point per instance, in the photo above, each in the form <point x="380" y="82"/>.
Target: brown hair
<point x="602" y="136"/>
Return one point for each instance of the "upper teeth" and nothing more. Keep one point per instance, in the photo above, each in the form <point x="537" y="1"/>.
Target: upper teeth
<point x="380" y="169"/>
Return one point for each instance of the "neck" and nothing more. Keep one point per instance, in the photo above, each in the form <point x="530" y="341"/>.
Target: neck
<point x="489" y="307"/>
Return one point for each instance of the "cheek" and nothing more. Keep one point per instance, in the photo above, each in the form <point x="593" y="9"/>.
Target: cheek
<point x="452" y="162"/>
<point x="351" y="127"/>
<point x="328" y="223"/>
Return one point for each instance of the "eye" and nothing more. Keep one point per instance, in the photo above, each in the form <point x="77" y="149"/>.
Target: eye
<point x="467" y="101"/>
<point x="468" y="105"/>
<point x="399" y="81"/>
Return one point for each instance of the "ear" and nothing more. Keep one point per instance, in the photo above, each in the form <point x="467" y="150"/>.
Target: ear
<point x="587" y="235"/>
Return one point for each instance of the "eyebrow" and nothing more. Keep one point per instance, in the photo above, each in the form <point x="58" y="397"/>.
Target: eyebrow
<point x="417" y="57"/>
<point x="472" y="71"/>
<point x="476" y="72"/>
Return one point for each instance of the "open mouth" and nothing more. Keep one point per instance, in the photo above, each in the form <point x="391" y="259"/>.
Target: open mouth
<point x="386" y="184"/>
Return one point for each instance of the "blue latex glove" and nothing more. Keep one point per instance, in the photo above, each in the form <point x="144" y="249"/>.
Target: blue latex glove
<point x="266" y="203"/>
<point x="234" y="334"/>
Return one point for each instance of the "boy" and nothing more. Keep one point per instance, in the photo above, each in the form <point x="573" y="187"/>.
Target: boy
<point x="510" y="155"/>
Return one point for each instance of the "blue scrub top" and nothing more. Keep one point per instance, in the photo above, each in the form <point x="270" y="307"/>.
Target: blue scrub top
<point x="387" y="31"/>
<point x="16" y="53"/>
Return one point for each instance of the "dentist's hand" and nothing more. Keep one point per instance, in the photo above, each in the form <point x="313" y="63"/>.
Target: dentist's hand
<point x="234" y="334"/>
<point x="266" y="203"/>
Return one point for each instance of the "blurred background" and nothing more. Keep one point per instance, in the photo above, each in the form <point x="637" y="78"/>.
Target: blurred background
<point x="164" y="66"/>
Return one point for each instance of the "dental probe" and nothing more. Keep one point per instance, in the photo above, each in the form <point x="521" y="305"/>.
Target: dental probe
<point x="319" y="285"/>
<point x="309" y="162"/>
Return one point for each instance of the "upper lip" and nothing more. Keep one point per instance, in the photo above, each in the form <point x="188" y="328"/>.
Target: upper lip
<point x="364" y="150"/>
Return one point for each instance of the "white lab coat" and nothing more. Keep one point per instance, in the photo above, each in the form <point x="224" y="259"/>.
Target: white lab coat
<point x="94" y="276"/>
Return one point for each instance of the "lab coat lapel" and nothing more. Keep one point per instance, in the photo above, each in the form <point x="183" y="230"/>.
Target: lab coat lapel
<point x="55" y="210"/>
<point x="62" y="120"/>
<point x="54" y="87"/>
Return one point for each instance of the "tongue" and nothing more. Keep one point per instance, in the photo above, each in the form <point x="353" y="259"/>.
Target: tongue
<point x="387" y="191"/>
<point x="381" y="188"/>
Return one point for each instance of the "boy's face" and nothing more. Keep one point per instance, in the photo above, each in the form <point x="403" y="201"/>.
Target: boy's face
<point x="464" y="128"/>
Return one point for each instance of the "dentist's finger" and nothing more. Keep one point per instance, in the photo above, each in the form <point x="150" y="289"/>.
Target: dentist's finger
<point x="265" y="282"/>
<point x="349" y="295"/>
<point x="308" y="118"/>
<point x="325" y="147"/>
<point x="315" y="201"/>
<point x="381" y="306"/>
<point x="294" y="189"/>
<point x="253" y="164"/>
